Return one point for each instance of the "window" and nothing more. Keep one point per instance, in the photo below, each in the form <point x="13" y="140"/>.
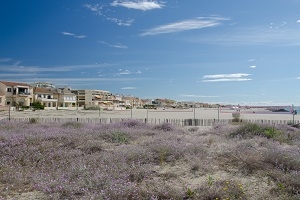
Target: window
<point x="8" y="90"/>
<point x="0" y="99"/>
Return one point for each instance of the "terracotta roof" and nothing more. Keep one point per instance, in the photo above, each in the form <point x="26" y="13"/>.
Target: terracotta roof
<point x="13" y="83"/>
<point x="43" y="90"/>
<point x="2" y="93"/>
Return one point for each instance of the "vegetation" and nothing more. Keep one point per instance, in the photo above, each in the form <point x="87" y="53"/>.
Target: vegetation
<point x="132" y="160"/>
<point x="92" y="108"/>
<point x="37" y="106"/>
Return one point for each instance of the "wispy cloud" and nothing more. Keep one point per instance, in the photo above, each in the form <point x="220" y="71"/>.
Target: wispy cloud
<point x="128" y="88"/>
<point x="94" y="8"/>
<point x="298" y="21"/>
<point x="139" y="5"/>
<point x="226" y="77"/>
<point x="197" y="96"/>
<point x="127" y="72"/>
<point x="287" y="36"/>
<point x="36" y="69"/>
<point x="74" y="35"/>
<point x="124" y="72"/>
<point x="108" y="14"/>
<point x="118" y="45"/>
<point x="5" y="59"/>
<point x="252" y="66"/>
<point x="185" y="25"/>
<point x="121" y="22"/>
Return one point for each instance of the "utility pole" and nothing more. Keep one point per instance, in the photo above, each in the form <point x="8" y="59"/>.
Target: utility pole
<point x="131" y="108"/>
<point x="9" y="106"/>
<point x="147" y="112"/>
<point x="77" y="100"/>
<point x="218" y="112"/>
<point x="293" y="112"/>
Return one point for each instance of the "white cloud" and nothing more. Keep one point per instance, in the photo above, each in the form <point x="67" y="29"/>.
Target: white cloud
<point x="227" y="80"/>
<point x="298" y="21"/>
<point x="120" y="46"/>
<point x="127" y="72"/>
<point x="226" y="77"/>
<point x="128" y="88"/>
<point x="185" y="25"/>
<point x="121" y="22"/>
<point x="124" y="72"/>
<point x="139" y="5"/>
<point x="108" y="14"/>
<point x="252" y="66"/>
<point x="72" y="34"/>
<point x="237" y="75"/>
<point x="94" y="8"/>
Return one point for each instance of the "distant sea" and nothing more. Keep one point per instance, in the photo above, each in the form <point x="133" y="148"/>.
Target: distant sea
<point x="297" y="108"/>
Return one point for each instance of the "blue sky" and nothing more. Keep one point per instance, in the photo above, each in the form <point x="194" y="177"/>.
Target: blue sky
<point x="233" y="51"/>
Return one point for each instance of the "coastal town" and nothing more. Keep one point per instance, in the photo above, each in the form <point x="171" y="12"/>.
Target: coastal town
<point x="22" y="95"/>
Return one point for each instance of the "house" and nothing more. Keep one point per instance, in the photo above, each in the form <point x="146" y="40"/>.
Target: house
<point x="16" y="94"/>
<point x="45" y="96"/>
<point x="2" y="98"/>
<point x="65" y="98"/>
<point x="164" y="103"/>
<point x="133" y="101"/>
<point x="91" y="98"/>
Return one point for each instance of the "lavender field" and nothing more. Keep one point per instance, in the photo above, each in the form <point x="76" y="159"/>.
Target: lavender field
<point x="132" y="160"/>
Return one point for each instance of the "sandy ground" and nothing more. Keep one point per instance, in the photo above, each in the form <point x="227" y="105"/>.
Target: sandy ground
<point x="198" y="113"/>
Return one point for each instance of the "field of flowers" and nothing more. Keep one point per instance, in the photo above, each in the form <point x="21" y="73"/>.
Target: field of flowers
<point x="133" y="160"/>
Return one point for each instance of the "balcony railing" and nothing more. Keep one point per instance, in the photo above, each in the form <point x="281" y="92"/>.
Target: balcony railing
<point x="24" y="93"/>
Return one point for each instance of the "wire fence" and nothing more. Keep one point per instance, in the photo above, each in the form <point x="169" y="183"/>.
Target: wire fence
<point x="151" y="121"/>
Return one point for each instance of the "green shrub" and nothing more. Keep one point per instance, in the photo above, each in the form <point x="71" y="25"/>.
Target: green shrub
<point x="247" y="130"/>
<point x="37" y="106"/>
<point x="92" y="108"/>
<point x="119" y="137"/>
<point x="271" y="132"/>
<point x="25" y="107"/>
<point x="72" y="125"/>
<point x="33" y="120"/>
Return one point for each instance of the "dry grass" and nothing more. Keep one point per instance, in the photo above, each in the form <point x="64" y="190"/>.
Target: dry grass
<point x="131" y="160"/>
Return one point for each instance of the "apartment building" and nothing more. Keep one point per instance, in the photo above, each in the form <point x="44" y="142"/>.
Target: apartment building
<point x="15" y="94"/>
<point x="90" y="98"/>
<point x="65" y="98"/>
<point x="45" y="96"/>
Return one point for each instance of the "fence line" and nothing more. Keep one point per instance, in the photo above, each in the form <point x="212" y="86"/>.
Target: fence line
<point x="152" y="121"/>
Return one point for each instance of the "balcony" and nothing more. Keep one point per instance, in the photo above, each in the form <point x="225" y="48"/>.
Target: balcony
<point x="23" y="93"/>
<point x="46" y="99"/>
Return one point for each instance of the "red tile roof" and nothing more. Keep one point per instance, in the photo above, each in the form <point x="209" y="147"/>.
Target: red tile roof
<point x="13" y="83"/>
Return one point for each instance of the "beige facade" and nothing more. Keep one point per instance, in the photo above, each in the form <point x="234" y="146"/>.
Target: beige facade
<point x="89" y="98"/>
<point x="45" y="96"/>
<point x="2" y="98"/>
<point x="16" y="94"/>
<point x="65" y="97"/>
